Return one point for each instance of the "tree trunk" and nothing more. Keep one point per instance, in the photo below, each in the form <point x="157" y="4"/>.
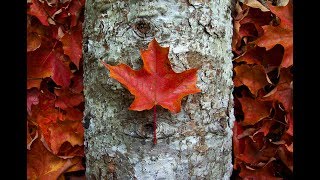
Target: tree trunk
<point x="193" y="144"/>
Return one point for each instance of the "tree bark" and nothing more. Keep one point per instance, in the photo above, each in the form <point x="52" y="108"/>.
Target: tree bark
<point x="193" y="144"/>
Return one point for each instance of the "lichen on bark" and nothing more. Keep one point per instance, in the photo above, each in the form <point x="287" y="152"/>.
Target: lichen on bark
<point x="193" y="144"/>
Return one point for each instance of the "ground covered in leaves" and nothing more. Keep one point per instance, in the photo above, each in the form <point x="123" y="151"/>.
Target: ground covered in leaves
<point x="55" y="100"/>
<point x="263" y="49"/>
<point x="262" y="46"/>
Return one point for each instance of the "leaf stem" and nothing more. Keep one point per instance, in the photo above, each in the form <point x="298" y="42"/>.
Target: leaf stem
<point x="155" y="124"/>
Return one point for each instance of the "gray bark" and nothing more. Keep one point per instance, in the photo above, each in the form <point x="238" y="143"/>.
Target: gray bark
<point x="193" y="144"/>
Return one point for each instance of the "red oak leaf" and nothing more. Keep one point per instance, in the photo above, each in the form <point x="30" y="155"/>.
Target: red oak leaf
<point x="283" y="93"/>
<point x="42" y="164"/>
<point x="281" y="34"/>
<point x="156" y="83"/>
<point x="236" y="38"/>
<point x="254" y="110"/>
<point x="265" y="128"/>
<point x="286" y="157"/>
<point x="258" y="55"/>
<point x="72" y="44"/>
<point x="257" y="17"/>
<point x="254" y="77"/>
<point x="284" y="13"/>
<point x="276" y="35"/>
<point x="254" y="155"/>
<point x="265" y="173"/>
<point x="248" y="23"/>
<point x="251" y="24"/>
<point x="248" y="29"/>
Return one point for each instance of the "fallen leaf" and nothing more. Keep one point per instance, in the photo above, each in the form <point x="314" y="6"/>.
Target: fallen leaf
<point x="156" y="83"/>
<point x="77" y="83"/>
<point x="65" y="131"/>
<point x="37" y="10"/>
<point x="52" y="2"/>
<point x="74" y="114"/>
<point x="67" y="151"/>
<point x="286" y="157"/>
<point x="42" y="164"/>
<point x="265" y="128"/>
<point x="47" y="62"/>
<point x="67" y="99"/>
<point x="33" y="41"/>
<point x="254" y="4"/>
<point x="75" y="10"/>
<point x="283" y="90"/>
<point x="270" y="59"/>
<point x="290" y="147"/>
<point x="256" y="17"/>
<point x="285" y="13"/>
<point x="72" y="44"/>
<point x="254" y="77"/>
<point x="44" y="113"/>
<point x="248" y="30"/>
<point x="274" y="35"/>
<point x="247" y="132"/>
<point x="282" y="34"/>
<point x="282" y="2"/>
<point x="254" y="155"/>
<point x="77" y="167"/>
<point x="289" y="118"/>
<point x="32" y="134"/>
<point x="264" y="173"/>
<point x="43" y="11"/>
<point x="254" y="110"/>
<point x="236" y="38"/>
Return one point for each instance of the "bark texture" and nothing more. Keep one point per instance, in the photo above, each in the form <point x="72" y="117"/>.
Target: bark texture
<point x="193" y="144"/>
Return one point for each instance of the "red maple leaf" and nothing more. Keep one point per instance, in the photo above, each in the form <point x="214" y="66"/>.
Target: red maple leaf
<point x="65" y="131"/>
<point x="38" y="9"/>
<point x="72" y="44"/>
<point x="47" y="61"/>
<point x="42" y="164"/>
<point x="75" y="10"/>
<point x="66" y="98"/>
<point x="156" y="83"/>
